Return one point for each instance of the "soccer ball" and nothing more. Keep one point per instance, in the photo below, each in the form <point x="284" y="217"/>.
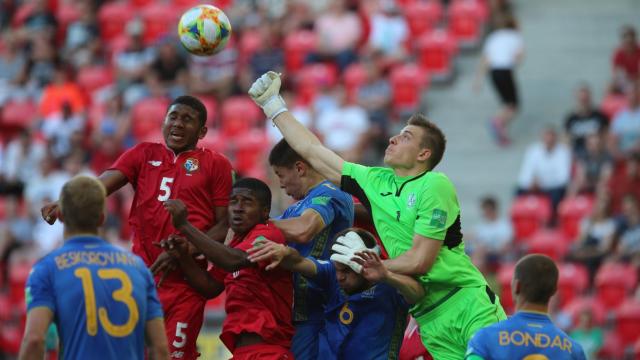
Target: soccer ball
<point x="204" y="30"/>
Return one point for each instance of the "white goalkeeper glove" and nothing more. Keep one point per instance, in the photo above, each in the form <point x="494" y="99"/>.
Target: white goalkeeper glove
<point x="266" y="93"/>
<point x="345" y="248"/>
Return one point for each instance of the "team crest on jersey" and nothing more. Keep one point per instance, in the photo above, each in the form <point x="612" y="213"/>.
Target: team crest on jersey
<point x="191" y="165"/>
<point x="411" y="201"/>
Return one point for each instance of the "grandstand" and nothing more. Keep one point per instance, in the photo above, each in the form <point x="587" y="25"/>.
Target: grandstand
<point x="101" y="73"/>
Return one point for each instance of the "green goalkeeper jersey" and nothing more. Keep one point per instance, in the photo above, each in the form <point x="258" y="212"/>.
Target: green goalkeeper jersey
<point x="425" y="204"/>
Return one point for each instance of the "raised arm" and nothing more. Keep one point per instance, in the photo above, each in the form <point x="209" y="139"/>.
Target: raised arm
<point x="265" y="93"/>
<point x="374" y="271"/>
<point x="226" y="258"/>
<point x="301" y="229"/>
<point x="418" y="260"/>
<point x="281" y="255"/>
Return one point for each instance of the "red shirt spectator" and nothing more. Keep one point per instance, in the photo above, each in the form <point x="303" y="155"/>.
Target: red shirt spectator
<point x="626" y="59"/>
<point x="624" y="180"/>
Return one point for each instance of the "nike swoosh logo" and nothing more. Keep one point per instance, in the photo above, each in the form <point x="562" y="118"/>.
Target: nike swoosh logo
<point x="155" y="163"/>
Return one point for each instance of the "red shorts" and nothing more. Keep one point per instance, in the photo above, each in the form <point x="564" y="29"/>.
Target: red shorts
<point x="262" y="352"/>
<point x="183" y="315"/>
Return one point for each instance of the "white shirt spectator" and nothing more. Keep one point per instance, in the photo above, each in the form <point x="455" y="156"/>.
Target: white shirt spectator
<point x="548" y="169"/>
<point x="342" y="128"/>
<point x="388" y="33"/>
<point x="493" y="235"/>
<point x="59" y="130"/>
<point x="626" y="126"/>
<point x="20" y="165"/>
<point x="502" y="48"/>
<point x="338" y="33"/>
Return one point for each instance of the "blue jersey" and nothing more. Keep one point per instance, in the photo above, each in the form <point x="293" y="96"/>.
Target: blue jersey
<point x="336" y="209"/>
<point x="368" y="325"/>
<point x="101" y="298"/>
<point x="521" y="336"/>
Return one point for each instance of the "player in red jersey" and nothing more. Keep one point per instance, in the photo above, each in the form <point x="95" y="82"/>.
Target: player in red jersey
<point x="259" y="302"/>
<point x="173" y="170"/>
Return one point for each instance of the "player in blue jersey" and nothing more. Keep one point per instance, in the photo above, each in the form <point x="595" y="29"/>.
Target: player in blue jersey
<point x="102" y="299"/>
<point x="321" y="211"/>
<point x="529" y="334"/>
<point x="366" y="310"/>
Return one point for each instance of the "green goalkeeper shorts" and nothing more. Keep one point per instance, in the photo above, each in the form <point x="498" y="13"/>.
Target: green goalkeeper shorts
<point x="447" y="328"/>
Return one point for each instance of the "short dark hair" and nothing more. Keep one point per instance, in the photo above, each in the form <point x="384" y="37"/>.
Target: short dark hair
<point x="489" y="201"/>
<point x="367" y="238"/>
<point x="259" y="189"/>
<point x="283" y="155"/>
<point x="82" y="203"/>
<point x="193" y="103"/>
<point x="433" y="138"/>
<point x="538" y="277"/>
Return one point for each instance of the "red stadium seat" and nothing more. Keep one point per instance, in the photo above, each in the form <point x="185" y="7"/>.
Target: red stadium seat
<point x="408" y="82"/>
<point x="159" y="19"/>
<point x="354" y="77"/>
<point x="249" y="154"/>
<point x="573" y="281"/>
<point x="436" y="54"/>
<point x="147" y="116"/>
<point x="466" y="21"/>
<point x="528" y="214"/>
<point x="22" y="13"/>
<point x="113" y="17"/>
<point x="628" y="322"/>
<point x="612" y="104"/>
<point x="549" y="242"/>
<point x="140" y="4"/>
<point x="18" y="114"/>
<point x="250" y="43"/>
<point x="18" y="274"/>
<point x="613" y="282"/>
<point x="239" y="115"/>
<point x="185" y="4"/>
<point x="422" y="16"/>
<point x="92" y="78"/>
<point x="297" y="46"/>
<point x="314" y="77"/>
<point x="571" y="211"/>
<point x="211" y="104"/>
<point x="10" y="338"/>
<point x="581" y="304"/>
<point x="505" y="274"/>
<point x="216" y="141"/>
<point x="612" y="347"/>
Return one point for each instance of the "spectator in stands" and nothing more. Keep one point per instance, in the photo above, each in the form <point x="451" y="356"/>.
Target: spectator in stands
<point x="214" y="74"/>
<point x="628" y="231"/>
<point x="595" y="241"/>
<point x="588" y="334"/>
<point x="375" y="97"/>
<point x="591" y="166"/>
<point x="82" y="42"/>
<point x="15" y="233"/>
<point x="626" y="60"/>
<point x="115" y="121"/>
<point x="625" y="179"/>
<point x="503" y="51"/>
<point x="58" y="128"/>
<point x="41" y="22"/>
<point x="338" y="31"/>
<point x="584" y="120"/>
<point x="546" y="168"/>
<point x="389" y="33"/>
<point x="62" y="92"/>
<point x="132" y="64"/>
<point x="490" y="243"/>
<point x="269" y="56"/>
<point x="625" y="127"/>
<point x="20" y="163"/>
<point x="170" y="68"/>
<point x="41" y="65"/>
<point x="345" y="129"/>
<point x="12" y="64"/>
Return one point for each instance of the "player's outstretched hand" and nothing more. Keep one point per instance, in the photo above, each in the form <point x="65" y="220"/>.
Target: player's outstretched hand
<point x="50" y="212"/>
<point x="264" y="250"/>
<point x="176" y="246"/>
<point x="372" y="267"/>
<point x="178" y="211"/>
<point x="164" y="264"/>
<point x="266" y="93"/>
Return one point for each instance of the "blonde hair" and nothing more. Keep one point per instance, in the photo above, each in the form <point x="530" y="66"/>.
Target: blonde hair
<point x="82" y="203"/>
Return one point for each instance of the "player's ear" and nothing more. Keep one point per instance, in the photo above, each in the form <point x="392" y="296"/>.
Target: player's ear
<point x="300" y="167"/>
<point x="424" y="155"/>
<point x="202" y="132"/>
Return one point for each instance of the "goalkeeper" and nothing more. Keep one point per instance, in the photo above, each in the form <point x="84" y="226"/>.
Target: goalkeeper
<point x="416" y="213"/>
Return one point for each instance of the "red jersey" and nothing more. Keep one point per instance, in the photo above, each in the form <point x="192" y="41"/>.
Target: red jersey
<point x="630" y="62"/>
<point x="201" y="178"/>
<point x="258" y="301"/>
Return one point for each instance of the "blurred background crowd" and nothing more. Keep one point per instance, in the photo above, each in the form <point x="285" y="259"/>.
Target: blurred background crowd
<point x="83" y="80"/>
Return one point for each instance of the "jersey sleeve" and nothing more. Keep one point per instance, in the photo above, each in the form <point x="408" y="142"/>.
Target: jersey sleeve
<point x="154" y="309"/>
<point x="39" y="290"/>
<point x="355" y="178"/>
<point x="222" y="180"/>
<point x="325" y="274"/>
<point x="271" y="233"/>
<point x="129" y="163"/>
<point x="436" y="211"/>
<point x="325" y="205"/>
<point x="476" y="349"/>
<point x="578" y="353"/>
